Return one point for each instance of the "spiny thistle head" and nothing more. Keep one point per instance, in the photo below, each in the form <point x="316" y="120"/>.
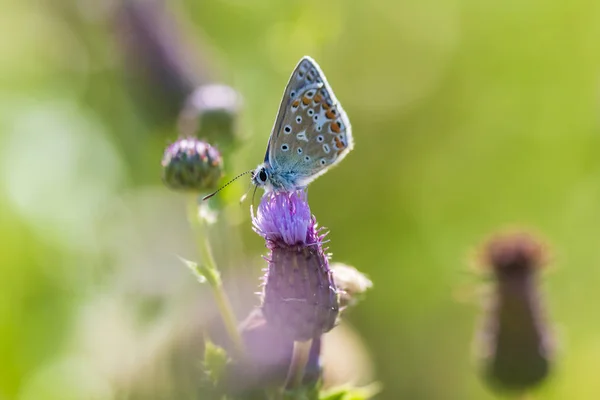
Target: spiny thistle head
<point x="515" y="347"/>
<point x="299" y="297"/>
<point x="191" y="164"/>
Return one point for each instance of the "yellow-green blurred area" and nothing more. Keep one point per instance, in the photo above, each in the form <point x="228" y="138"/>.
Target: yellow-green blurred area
<point x="467" y="116"/>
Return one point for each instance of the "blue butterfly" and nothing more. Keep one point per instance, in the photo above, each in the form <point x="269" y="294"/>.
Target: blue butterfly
<point x="311" y="133"/>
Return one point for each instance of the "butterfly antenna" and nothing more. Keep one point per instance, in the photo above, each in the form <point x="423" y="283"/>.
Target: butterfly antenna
<point x="225" y="185"/>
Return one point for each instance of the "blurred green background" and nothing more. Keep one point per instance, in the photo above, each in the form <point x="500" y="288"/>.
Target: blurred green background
<point x="467" y="116"/>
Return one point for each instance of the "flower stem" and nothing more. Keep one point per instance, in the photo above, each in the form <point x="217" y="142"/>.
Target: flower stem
<point x="300" y="357"/>
<point x="213" y="278"/>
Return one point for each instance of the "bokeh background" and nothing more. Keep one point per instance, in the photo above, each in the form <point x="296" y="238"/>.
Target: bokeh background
<point x="467" y="116"/>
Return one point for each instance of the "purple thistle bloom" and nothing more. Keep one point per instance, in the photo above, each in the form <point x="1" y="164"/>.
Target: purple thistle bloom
<point x="299" y="297"/>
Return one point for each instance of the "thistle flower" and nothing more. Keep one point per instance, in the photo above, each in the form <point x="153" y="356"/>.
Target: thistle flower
<point x="192" y="165"/>
<point x="299" y="297"/>
<point x="517" y="353"/>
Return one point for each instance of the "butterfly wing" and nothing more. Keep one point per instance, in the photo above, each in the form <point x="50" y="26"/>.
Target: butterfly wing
<point x="312" y="131"/>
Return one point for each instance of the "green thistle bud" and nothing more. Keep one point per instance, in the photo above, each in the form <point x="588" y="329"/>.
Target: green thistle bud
<point x="192" y="165"/>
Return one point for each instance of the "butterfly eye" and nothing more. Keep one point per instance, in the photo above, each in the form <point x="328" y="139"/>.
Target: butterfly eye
<point x="293" y="94"/>
<point x="316" y="117"/>
<point x="262" y="176"/>
<point x="299" y="150"/>
<point x="319" y="127"/>
<point x="298" y="119"/>
<point x="306" y="158"/>
<point x="326" y="148"/>
<point x="285" y="147"/>
<point x="320" y="138"/>
<point x="323" y="162"/>
<point x="310" y="112"/>
<point x="287" y="129"/>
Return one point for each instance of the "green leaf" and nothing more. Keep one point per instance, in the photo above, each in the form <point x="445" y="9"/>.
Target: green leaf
<point x="203" y="273"/>
<point x="215" y="361"/>
<point x="335" y="395"/>
<point x="350" y="393"/>
<point x="196" y="270"/>
<point x="302" y="393"/>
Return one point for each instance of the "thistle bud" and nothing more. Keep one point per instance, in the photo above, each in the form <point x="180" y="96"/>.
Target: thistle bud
<point x="516" y="350"/>
<point x="192" y="165"/>
<point x="350" y="283"/>
<point x="299" y="297"/>
<point x="211" y="111"/>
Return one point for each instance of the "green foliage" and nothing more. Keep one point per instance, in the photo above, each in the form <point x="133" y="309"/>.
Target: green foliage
<point x="215" y="361"/>
<point x="350" y="393"/>
<point x="203" y="273"/>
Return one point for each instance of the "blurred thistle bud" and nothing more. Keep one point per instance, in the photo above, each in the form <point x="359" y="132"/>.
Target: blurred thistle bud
<point x="211" y="112"/>
<point x="515" y="345"/>
<point x="299" y="297"/>
<point x="192" y="165"/>
<point x="351" y="284"/>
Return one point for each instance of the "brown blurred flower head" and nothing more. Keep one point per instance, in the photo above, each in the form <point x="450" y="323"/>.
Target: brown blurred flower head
<point x="515" y="347"/>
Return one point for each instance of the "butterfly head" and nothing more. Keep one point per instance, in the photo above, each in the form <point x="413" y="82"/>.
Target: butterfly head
<point x="261" y="176"/>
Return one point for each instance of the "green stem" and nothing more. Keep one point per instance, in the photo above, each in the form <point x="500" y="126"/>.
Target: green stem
<point x="300" y="357"/>
<point x="213" y="278"/>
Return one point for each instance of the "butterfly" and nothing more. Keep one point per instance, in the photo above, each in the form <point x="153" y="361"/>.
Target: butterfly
<point x="310" y="135"/>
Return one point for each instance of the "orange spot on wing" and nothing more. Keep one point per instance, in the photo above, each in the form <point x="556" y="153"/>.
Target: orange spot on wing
<point x="305" y="100"/>
<point x="330" y="114"/>
<point x="335" y="127"/>
<point x="325" y="106"/>
<point x="296" y="103"/>
<point x="338" y="143"/>
<point x="318" y="98"/>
